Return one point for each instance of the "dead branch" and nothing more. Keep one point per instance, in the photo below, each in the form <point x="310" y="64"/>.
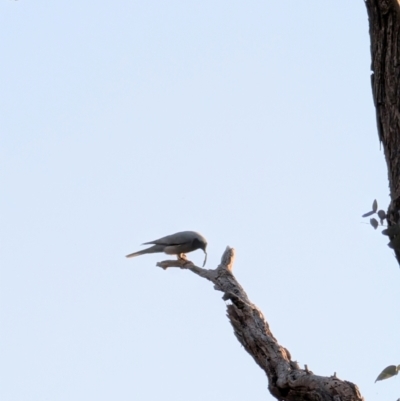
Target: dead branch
<point x="286" y="380"/>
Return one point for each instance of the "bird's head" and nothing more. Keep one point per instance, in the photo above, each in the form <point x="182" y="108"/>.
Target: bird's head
<point x="201" y="243"/>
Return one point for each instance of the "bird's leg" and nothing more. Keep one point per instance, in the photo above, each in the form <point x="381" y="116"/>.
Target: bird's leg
<point x="182" y="256"/>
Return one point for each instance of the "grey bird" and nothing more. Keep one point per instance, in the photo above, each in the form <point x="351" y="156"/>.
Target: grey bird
<point x="176" y="244"/>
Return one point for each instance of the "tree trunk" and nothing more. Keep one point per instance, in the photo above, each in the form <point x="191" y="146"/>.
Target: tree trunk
<point x="286" y="380"/>
<point x="384" y="29"/>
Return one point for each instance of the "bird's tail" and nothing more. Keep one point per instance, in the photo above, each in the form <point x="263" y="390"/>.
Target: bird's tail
<point x="152" y="249"/>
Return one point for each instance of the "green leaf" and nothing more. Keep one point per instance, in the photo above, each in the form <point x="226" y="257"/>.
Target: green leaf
<point x="388" y="372"/>
<point x="375" y="206"/>
<point x="368" y="214"/>
<point x="382" y="214"/>
<point x="374" y="223"/>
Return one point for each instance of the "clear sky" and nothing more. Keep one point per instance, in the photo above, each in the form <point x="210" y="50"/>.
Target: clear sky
<point x="250" y="122"/>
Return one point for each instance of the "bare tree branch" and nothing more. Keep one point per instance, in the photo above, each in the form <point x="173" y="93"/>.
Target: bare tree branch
<point x="286" y="380"/>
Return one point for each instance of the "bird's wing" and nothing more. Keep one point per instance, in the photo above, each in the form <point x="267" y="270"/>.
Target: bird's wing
<point x="175" y="239"/>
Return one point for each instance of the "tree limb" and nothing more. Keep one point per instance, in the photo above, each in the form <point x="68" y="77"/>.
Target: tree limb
<point x="384" y="29"/>
<point x="286" y="380"/>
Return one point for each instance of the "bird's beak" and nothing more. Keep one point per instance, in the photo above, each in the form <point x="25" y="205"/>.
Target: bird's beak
<point x="205" y="258"/>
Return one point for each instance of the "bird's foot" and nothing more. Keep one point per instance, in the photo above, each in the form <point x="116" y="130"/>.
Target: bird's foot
<point x="182" y="257"/>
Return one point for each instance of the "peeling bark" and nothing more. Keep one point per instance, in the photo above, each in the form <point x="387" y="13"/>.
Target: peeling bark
<point x="384" y="29"/>
<point x="286" y="380"/>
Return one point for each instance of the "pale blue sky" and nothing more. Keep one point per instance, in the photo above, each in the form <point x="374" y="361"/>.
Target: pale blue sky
<point x="251" y="122"/>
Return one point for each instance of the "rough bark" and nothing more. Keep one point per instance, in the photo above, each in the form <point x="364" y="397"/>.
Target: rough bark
<point x="287" y="381"/>
<point x="384" y="29"/>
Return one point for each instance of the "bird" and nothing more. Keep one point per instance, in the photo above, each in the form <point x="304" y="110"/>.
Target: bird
<point x="176" y="244"/>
